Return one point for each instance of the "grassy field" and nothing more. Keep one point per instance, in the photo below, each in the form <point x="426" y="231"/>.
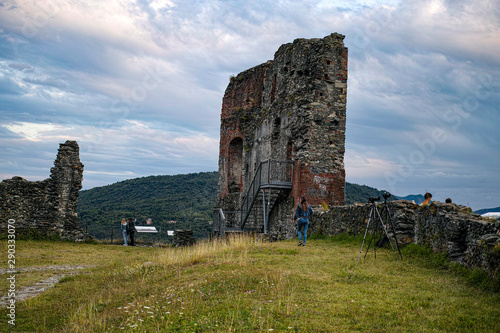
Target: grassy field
<point x="245" y="285"/>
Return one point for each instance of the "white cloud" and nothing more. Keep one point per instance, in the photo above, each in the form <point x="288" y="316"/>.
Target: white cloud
<point x="161" y="4"/>
<point x="362" y="167"/>
<point x="36" y="132"/>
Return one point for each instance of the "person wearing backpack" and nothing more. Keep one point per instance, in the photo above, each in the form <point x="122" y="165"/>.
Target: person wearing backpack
<point x="131" y="231"/>
<point x="303" y="212"/>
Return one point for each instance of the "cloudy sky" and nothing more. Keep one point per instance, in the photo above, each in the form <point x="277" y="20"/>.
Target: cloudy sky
<point x="139" y="85"/>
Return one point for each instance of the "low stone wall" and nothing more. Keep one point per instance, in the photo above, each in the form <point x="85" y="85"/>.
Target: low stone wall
<point x="465" y="237"/>
<point x="184" y="238"/>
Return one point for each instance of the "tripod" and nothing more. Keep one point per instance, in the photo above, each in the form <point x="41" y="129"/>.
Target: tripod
<point x="374" y="213"/>
<point x="388" y="219"/>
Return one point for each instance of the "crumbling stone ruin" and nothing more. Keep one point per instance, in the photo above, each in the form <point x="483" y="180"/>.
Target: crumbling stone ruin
<point x="47" y="207"/>
<point x="282" y="137"/>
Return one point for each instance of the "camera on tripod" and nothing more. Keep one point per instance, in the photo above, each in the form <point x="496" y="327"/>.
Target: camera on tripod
<point x="376" y="216"/>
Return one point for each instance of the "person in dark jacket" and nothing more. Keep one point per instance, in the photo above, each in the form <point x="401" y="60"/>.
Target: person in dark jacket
<point x="303" y="212"/>
<point x="131" y="231"/>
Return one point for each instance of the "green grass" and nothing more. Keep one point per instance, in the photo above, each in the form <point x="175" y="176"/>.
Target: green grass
<point x="244" y="285"/>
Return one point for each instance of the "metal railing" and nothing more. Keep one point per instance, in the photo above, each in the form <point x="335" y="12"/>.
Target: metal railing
<point x="114" y="235"/>
<point x="226" y="220"/>
<point x="269" y="174"/>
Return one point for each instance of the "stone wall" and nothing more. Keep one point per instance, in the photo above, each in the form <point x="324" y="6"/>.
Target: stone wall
<point x="465" y="237"/>
<point x="290" y="108"/>
<point x="48" y="207"/>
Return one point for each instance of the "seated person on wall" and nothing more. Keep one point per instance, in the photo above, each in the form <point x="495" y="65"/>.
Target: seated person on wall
<point x="428" y="198"/>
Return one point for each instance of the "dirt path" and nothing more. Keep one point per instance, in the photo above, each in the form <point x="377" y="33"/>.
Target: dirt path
<point x="41" y="286"/>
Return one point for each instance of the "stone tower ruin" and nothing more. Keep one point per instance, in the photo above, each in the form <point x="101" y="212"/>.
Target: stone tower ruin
<point x="47" y="207"/>
<point x="282" y="137"/>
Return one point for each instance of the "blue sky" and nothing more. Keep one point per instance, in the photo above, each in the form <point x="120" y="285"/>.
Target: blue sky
<point x="139" y="85"/>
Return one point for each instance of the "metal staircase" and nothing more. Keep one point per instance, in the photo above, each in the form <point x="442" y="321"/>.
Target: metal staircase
<point x="271" y="178"/>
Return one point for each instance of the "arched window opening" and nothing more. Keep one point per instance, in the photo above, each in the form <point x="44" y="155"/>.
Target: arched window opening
<point x="235" y="165"/>
<point x="276" y="128"/>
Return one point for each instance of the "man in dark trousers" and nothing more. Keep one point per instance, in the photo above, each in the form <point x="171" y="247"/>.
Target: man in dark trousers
<point x="131" y="231"/>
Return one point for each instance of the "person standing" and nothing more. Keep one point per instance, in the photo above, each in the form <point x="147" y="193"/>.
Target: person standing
<point x="124" y="227"/>
<point x="131" y="231"/>
<point x="303" y="212"/>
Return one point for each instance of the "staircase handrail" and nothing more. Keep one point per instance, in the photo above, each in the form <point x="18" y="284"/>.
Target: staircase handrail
<point x="219" y="220"/>
<point x="257" y="184"/>
<point x="252" y="191"/>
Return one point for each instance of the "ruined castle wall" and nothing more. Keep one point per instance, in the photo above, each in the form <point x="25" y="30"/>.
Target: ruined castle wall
<point x="447" y="228"/>
<point x="290" y="108"/>
<point x="48" y="207"/>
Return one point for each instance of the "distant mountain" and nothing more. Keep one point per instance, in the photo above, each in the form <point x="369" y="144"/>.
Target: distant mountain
<point x="361" y="193"/>
<point x="418" y="198"/>
<point x="487" y="210"/>
<point x="187" y="199"/>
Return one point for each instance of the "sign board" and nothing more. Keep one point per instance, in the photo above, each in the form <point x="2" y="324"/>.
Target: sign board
<point x="146" y="229"/>
<point x="170" y="232"/>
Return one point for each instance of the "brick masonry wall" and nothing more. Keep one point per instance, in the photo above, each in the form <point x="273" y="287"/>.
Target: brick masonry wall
<point x="292" y="107"/>
<point x="47" y="207"/>
<point x="466" y="238"/>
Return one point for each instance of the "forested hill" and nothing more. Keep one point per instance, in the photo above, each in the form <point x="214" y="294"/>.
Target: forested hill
<point x="188" y="199"/>
<point x="360" y="193"/>
<point x="487" y="210"/>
